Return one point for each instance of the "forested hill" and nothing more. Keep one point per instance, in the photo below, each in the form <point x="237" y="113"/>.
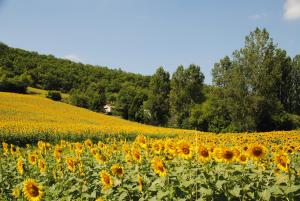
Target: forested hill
<point x="51" y="73"/>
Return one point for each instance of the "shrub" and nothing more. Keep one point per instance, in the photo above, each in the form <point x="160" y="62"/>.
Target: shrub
<point x="17" y="84"/>
<point x="54" y="95"/>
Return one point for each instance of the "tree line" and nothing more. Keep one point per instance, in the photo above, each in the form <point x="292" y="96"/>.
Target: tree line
<point x="257" y="88"/>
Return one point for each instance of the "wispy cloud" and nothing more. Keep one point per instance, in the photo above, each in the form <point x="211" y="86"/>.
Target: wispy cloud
<point x="292" y="9"/>
<point x="73" y="57"/>
<point x="257" y="16"/>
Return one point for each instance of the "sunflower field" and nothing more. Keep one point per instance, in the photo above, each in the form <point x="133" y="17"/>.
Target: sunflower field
<point x="258" y="166"/>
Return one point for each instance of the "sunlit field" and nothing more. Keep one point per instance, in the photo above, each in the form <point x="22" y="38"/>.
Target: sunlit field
<point x="195" y="167"/>
<point x="28" y="118"/>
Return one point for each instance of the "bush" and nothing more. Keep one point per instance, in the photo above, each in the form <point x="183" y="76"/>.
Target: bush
<point x="287" y="121"/>
<point x="54" y="95"/>
<point x="17" y="84"/>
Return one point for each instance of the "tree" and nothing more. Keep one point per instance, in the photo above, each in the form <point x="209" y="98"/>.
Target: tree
<point x="186" y="90"/>
<point x="124" y="99"/>
<point x="295" y="87"/>
<point x="158" y="101"/>
<point x="136" y="109"/>
<point x="256" y="83"/>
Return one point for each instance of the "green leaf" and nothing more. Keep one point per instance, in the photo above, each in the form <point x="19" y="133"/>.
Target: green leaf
<point x="235" y="191"/>
<point x="265" y="195"/>
<point x="219" y="184"/>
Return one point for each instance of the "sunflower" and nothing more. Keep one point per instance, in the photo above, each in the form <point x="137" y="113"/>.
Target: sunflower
<point x="136" y="155"/>
<point x="78" y="146"/>
<point x="32" y="190"/>
<point x="117" y="170"/>
<point x="156" y="148"/>
<point x="106" y="179"/>
<point x="41" y="145"/>
<point x="57" y="153"/>
<point x="12" y="149"/>
<point x="32" y="158"/>
<point x="99" y="199"/>
<point x="20" y="166"/>
<point x="5" y="147"/>
<point x="159" y="167"/>
<point x="217" y="154"/>
<point x="184" y="150"/>
<point x="257" y="152"/>
<point x="140" y="182"/>
<point x="204" y="154"/>
<point x="16" y="192"/>
<point x="228" y="155"/>
<point x="142" y="141"/>
<point x="100" y="158"/>
<point x="243" y="159"/>
<point x="283" y="162"/>
<point x="71" y="164"/>
<point x="88" y="143"/>
<point x="42" y="165"/>
<point x="170" y="148"/>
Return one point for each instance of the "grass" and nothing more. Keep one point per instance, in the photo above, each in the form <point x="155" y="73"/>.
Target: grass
<point x="43" y="93"/>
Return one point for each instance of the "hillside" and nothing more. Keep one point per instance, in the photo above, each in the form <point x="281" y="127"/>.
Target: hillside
<point x="33" y="115"/>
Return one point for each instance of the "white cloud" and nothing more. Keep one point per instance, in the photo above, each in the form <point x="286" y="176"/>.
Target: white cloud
<point x="292" y="9"/>
<point x="257" y="16"/>
<point x="73" y="57"/>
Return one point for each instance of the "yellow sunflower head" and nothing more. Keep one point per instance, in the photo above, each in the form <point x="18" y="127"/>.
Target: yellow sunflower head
<point x="101" y="158"/>
<point x="32" y="158"/>
<point x="117" y="170"/>
<point x="203" y="154"/>
<point x="16" y="192"/>
<point x="257" y="152"/>
<point x="5" y="147"/>
<point x="228" y="155"/>
<point x="136" y="155"/>
<point x="159" y="167"/>
<point x="185" y="150"/>
<point x="42" y="165"/>
<point x="141" y="141"/>
<point x="71" y="164"/>
<point x="32" y="190"/>
<point x="283" y="162"/>
<point x="88" y="143"/>
<point x="243" y="159"/>
<point x="20" y="166"/>
<point x="106" y="179"/>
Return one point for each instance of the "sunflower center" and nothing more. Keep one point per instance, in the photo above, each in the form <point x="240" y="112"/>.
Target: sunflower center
<point x="185" y="150"/>
<point x="204" y="153"/>
<point x="243" y="158"/>
<point x="257" y="151"/>
<point x="106" y="179"/>
<point x="228" y="155"/>
<point x="33" y="190"/>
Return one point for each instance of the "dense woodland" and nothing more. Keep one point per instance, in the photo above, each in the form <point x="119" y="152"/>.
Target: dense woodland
<point x="257" y="88"/>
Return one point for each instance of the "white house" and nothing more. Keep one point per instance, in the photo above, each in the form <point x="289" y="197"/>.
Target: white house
<point x="107" y="108"/>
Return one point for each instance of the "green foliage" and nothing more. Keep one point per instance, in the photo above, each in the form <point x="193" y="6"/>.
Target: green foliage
<point x="257" y="85"/>
<point x="186" y="90"/>
<point x="158" y="102"/>
<point x="10" y="83"/>
<point x="54" y="95"/>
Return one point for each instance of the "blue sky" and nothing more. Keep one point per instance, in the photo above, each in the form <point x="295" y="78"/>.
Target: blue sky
<point x="140" y="35"/>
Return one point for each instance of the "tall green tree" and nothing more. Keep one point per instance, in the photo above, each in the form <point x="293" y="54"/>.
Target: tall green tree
<point x="186" y="90"/>
<point x="158" y="98"/>
<point x="256" y="83"/>
<point x="295" y="94"/>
